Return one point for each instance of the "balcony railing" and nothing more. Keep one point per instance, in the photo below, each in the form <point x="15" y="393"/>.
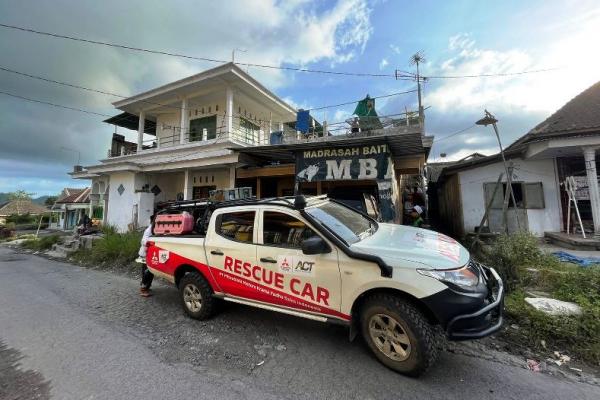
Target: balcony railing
<point x="409" y="123"/>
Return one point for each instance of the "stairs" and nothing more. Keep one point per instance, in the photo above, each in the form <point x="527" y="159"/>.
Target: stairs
<point x="62" y="250"/>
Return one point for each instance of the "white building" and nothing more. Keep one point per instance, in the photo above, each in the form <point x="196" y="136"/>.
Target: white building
<point x="70" y="206"/>
<point x="186" y="132"/>
<point x="563" y="145"/>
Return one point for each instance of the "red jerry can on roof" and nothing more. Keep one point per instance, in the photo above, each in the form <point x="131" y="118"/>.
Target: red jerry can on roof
<point x="173" y="224"/>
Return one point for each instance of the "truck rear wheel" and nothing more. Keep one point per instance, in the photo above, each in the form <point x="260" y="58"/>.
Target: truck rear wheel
<point x="196" y="296"/>
<point x="398" y="334"/>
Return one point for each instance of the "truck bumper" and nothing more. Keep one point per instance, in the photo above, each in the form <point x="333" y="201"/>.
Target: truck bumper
<point x="466" y="316"/>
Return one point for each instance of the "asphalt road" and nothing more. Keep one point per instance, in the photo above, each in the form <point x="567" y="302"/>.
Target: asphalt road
<point x="77" y="333"/>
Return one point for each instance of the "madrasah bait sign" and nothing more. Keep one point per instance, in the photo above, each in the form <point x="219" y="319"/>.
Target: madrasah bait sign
<point x="344" y="163"/>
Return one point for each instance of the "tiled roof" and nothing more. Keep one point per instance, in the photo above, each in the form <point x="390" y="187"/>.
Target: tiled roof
<point x="21" y="207"/>
<point x="74" y="196"/>
<point x="579" y="116"/>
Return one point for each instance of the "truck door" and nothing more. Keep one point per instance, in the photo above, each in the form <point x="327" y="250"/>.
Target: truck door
<point x="307" y="282"/>
<point x="231" y="250"/>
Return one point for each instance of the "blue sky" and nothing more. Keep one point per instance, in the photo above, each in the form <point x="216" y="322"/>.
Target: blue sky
<point x="39" y="144"/>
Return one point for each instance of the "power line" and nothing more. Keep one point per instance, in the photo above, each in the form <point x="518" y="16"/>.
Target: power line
<point x="403" y="75"/>
<point x="352" y="102"/>
<point x="75" y="86"/>
<point x="53" y="104"/>
<point x="454" y="134"/>
<point x="165" y="53"/>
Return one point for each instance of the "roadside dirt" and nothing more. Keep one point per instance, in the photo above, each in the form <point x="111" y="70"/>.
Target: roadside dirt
<point x="253" y="344"/>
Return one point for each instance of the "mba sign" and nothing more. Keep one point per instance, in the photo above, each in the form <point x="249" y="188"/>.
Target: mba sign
<point x="344" y="163"/>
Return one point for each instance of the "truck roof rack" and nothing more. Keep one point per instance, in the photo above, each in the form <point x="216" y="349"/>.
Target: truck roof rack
<point x="296" y="202"/>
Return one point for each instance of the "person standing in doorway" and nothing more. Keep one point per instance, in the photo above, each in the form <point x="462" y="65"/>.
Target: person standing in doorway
<point x="415" y="214"/>
<point x="147" y="276"/>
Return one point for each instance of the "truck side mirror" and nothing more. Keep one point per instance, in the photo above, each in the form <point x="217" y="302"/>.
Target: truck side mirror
<point x="315" y="245"/>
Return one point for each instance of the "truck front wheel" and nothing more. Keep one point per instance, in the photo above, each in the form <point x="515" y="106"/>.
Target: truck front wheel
<point x="196" y="296"/>
<point x="398" y="334"/>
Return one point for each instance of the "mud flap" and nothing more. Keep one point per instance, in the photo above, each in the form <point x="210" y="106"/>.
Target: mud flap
<point x="353" y="331"/>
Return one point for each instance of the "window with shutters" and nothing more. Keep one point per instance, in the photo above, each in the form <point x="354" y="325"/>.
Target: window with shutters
<point x="527" y="195"/>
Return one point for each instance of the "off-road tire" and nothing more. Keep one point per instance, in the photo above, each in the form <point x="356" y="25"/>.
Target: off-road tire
<point x="424" y="346"/>
<point x="188" y="285"/>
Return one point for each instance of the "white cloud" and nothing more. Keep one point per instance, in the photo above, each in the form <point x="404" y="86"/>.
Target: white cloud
<point x="383" y="63"/>
<point x="542" y="92"/>
<point x="296" y="32"/>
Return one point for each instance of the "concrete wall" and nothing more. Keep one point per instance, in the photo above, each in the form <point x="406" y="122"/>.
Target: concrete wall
<point x="167" y="124"/>
<point x="539" y="220"/>
<point x="216" y="177"/>
<point x="121" y="206"/>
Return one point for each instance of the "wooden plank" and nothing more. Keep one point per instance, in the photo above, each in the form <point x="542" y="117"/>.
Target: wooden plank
<point x="276" y="170"/>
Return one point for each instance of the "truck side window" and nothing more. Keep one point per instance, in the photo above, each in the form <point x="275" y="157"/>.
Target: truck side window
<point x="283" y="230"/>
<point x="236" y="226"/>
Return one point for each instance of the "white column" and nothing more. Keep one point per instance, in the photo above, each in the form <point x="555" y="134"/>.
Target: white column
<point x="187" y="185"/>
<point x="232" y="177"/>
<point x="229" y="111"/>
<point x="183" y="122"/>
<point x="141" y="122"/>
<point x="589" y="153"/>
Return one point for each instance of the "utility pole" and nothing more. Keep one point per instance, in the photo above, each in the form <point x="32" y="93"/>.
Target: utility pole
<point x="489" y="119"/>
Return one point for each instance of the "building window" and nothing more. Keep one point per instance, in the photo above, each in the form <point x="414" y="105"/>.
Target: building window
<point x="528" y="195"/>
<point x="217" y="108"/>
<point x="248" y="130"/>
<point x="238" y="226"/>
<point x="198" y="125"/>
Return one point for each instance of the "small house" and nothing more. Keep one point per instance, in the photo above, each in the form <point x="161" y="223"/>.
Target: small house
<point x="562" y="146"/>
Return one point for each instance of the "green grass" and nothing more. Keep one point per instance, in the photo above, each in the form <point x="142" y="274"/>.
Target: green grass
<point x="41" y="244"/>
<point x="113" y="247"/>
<point x="525" y="267"/>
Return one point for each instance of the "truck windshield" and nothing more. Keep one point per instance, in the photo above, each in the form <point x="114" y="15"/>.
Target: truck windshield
<point x="349" y="225"/>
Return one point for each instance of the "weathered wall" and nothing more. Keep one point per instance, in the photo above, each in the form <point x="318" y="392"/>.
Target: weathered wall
<point x="120" y="207"/>
<point x="539" y="220"/>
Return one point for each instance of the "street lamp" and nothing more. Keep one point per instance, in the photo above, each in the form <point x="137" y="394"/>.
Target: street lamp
<point x="489" y="119"/>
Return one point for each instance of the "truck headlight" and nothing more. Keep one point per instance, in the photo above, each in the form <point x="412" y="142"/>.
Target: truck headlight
<point x="463" y="277"/>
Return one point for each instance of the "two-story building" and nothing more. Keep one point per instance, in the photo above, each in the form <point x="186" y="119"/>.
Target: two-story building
<point x="187" y="133"/>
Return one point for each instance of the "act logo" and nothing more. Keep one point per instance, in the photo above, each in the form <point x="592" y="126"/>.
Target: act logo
<point x="154" y="259"/>
<point x="294" y="265"/>
<point x="304" y="267"/>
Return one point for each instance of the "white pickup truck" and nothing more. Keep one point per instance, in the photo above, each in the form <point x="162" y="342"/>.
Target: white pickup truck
<point x="315" y="258"/>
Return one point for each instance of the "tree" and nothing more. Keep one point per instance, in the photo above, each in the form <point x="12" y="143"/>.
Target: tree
<point x="50" y="200"/>
<point x="19" y="197"/>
